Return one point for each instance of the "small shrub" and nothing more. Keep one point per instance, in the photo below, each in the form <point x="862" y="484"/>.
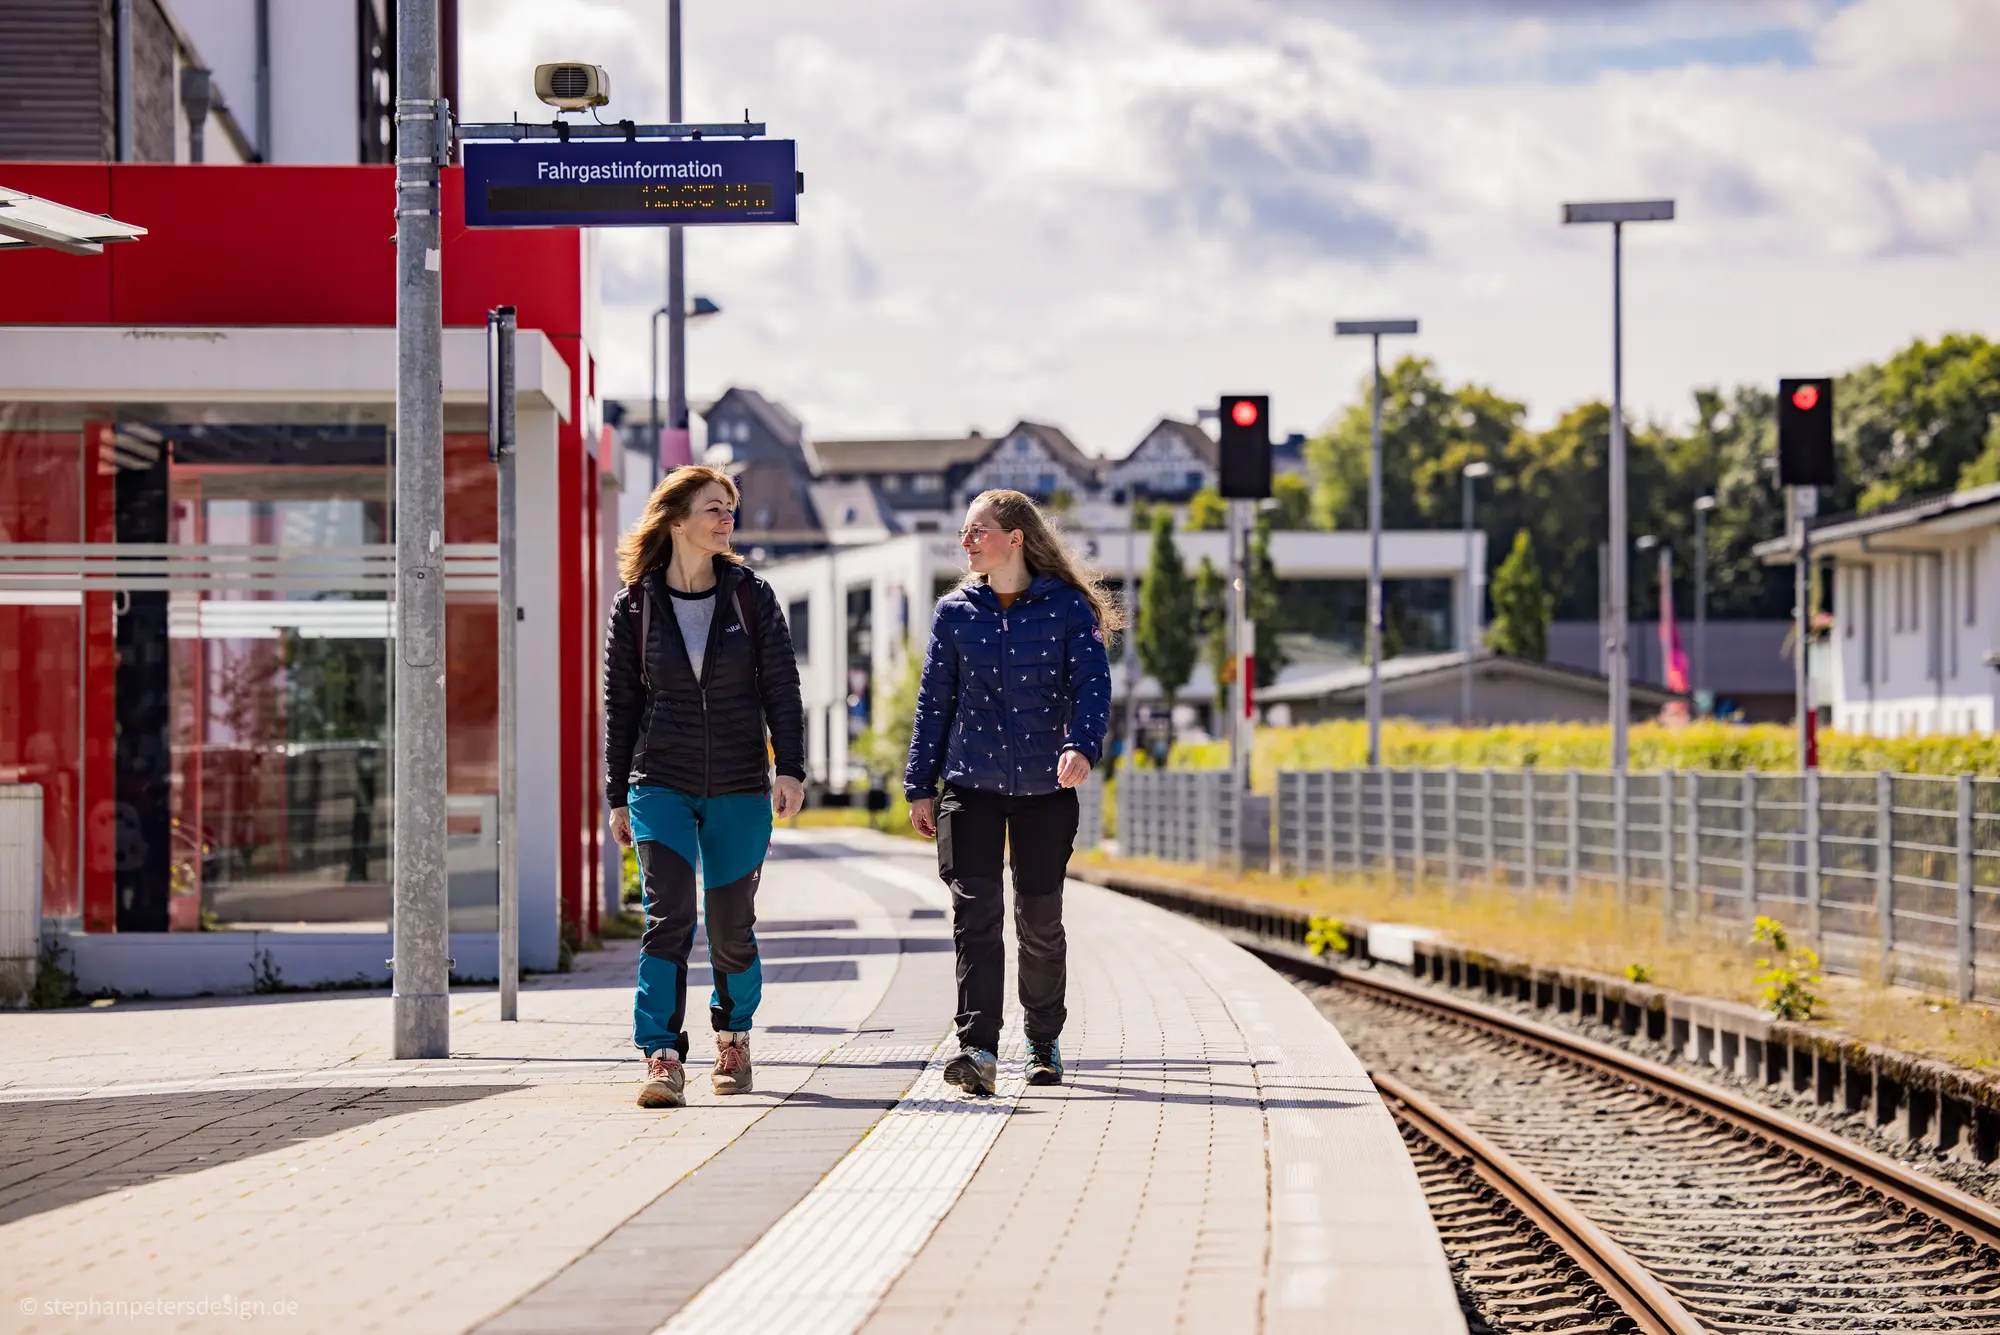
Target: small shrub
<point x="264" y="973"/>
<point x="55" y="985"/>
<point x="1324" y="934"/>
<point x="621" y="926"/>
<point x="1639" y="973"/>
<point x="631" y="886"/>
<point x="1789" y="975"/>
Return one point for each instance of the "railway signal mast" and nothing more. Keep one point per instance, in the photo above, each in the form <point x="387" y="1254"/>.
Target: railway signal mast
<point x="1244" y="479"/>
<point x="1805" y="464"/>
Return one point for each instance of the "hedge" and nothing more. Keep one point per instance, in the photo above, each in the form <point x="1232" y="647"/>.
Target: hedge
<point x="1696" y="746"/>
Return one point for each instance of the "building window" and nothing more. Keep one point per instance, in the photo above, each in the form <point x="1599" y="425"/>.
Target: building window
<point x="1972" y="585"/>
<point x="1849" y="600"/>
<point x="798" y="616"/>
<point x="927" y="482"/>
<point x="763" y="516"/>
<point x="1045" y="483"/>
<point x="1020" y="444"/>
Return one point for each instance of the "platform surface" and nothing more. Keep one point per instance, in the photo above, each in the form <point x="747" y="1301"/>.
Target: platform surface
<point x="1216" y="1160"/>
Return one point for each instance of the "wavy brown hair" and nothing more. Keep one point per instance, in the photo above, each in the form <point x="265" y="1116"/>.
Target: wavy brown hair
<point x="650" y="542"/>
<point x="1046" y="555"/>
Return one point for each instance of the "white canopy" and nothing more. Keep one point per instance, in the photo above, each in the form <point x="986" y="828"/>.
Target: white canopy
<point x="29" y="220"/>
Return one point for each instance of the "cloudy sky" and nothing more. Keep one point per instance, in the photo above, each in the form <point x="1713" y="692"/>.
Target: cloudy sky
<point x="1094" y="212"/>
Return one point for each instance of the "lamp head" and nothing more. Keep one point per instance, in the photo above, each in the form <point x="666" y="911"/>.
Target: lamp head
<point x="1479" y="468"/>
<point x="1704" y="503"/>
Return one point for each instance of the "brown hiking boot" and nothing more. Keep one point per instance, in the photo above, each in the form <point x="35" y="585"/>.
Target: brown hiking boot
<point x="732" y="1063"/>
<point x="665" y="1082"/>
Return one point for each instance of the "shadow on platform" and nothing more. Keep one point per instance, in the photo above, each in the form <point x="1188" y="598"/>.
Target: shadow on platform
<point x="62" y="1151"/>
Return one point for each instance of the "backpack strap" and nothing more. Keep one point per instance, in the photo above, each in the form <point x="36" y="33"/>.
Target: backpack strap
<point x="645" y="601"/>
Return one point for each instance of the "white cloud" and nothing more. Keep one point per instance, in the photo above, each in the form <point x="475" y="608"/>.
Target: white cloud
<point x="1104" y="210"/>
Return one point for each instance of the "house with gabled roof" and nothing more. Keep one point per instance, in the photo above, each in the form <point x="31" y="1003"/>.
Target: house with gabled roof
<point x="916" y="478"/>
<point x="1171" y="462"/>
<point x="1034" y="458"/>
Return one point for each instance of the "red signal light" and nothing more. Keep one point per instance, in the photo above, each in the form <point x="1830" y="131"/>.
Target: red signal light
<point x="1243" y="413"/>
<point x="1805" y="398"/>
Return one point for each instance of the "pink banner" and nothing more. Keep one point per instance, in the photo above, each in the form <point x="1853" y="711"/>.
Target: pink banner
<point x="1671" y="654"/>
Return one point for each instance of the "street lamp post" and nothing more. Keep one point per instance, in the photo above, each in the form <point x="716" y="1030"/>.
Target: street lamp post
<point x="1373" y="330"/>
<point x="1702" y="505"/>
<point x="676" y="307"/>
<point x="1475" y="603"/>
<point x="702" y="306"/>
<point x="1617" y="655"/>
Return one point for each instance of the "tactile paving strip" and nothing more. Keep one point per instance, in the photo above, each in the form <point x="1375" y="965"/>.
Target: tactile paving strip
<point x="823" y="1267"/>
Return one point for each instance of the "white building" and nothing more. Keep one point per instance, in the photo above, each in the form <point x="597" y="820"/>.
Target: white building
<point x="857" y="612"/>
<point x="1915" y="613"/>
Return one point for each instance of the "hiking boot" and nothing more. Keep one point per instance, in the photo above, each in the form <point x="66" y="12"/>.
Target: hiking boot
<point x="1044" y="1062"/>
<point x="973" y="1070"/>
<point x="665" y="1081"/>
<point x="732" y="1063"/>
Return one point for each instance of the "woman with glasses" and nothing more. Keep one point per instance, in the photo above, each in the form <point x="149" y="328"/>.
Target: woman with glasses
<point x="1011" y="715"/>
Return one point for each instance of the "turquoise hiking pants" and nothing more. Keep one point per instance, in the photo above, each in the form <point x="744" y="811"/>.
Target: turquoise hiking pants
<point x="726" y="838"/>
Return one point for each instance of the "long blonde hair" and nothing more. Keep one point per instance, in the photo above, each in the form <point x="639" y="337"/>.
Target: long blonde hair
<point x="650" y="542"/>
<point x="1046" y="554"/>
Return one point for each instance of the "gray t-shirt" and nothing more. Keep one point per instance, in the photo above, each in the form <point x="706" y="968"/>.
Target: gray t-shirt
<point x="694" y="611"/>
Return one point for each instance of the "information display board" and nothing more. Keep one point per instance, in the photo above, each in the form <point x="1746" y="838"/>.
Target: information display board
<point x="618" y="183"/>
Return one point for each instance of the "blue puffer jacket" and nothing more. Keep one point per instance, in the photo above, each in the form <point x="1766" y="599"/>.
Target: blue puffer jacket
<point x="1005" y="693"/>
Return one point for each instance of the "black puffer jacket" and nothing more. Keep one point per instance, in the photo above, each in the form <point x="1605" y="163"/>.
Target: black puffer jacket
<point x="702" y="736"/>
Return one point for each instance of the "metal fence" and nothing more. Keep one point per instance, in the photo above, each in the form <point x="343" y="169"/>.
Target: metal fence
<point x="1090" y="811"/>
<point x="1889" y="874"/>
<point x="1181" y="815"/>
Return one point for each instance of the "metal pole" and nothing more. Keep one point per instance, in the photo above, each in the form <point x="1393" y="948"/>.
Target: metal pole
<point x="1885" y="874"/>
<point x="1700" y="600"/>
<point x="266" y="150"/>
<point x="1232" y="728"/>
<point x="1963" y="904"/>
<point x="1375" y="564"/>
<point x="126" y="99"/>
<point x="500" y="329"/>
<point x="1246" y="647"/>
<point x="1471" y="604"/>
<point x="677" y="408"/>
<point x="1616" y="631"/>
<point x="1802" y="508"/>
<point x="421" y="969"/>
<point x="1130" y="597"/>
<point x="653" y="385"/>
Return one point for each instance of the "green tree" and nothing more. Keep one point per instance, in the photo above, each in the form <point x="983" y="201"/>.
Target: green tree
<point x="1915" y="423"/>
<point x="1165" y="636"/>
<point x="1520" y="626"/>
<point x="1211" y="614"/>
<point x="885" y="747"/>
<point x="1430" y="431"/>
<point x="1207" y="511"/>
<point x="1291" y="496"/>
<point x="1264" y="600"/>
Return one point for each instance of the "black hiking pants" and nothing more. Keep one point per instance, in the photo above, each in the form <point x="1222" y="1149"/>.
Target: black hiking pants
<point x="976" y="834"/>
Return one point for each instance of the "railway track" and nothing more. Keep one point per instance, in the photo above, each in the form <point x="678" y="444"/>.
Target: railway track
<point x="1746" y="1219"/>
<point x="1579" y="1187"/>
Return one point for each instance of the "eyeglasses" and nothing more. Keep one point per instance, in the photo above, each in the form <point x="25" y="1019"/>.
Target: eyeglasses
<point x="973" y="533"/>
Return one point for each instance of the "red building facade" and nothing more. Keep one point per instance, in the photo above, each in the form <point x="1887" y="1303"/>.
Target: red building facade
<point x="215" y="752"/>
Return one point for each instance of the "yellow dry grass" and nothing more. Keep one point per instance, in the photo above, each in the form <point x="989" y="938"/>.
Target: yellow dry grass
<point x="1592" y="933"/>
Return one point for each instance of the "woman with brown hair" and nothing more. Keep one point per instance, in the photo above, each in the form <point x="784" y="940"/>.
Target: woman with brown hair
<point x="697" y="666"/>
<point x="1011" y="714"/>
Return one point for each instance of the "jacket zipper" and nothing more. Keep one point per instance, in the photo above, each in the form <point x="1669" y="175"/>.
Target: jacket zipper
<point x="701" y="682"/>
<point x="1006" y="714"/>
